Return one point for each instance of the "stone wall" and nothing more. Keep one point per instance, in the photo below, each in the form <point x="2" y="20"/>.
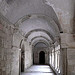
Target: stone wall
<point x="10" y="49"/>
<point x="6" y="37"/>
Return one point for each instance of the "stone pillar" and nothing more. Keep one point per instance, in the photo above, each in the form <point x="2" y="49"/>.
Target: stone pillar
<point x="68" y="47"/>
<point x="54" y="56"/>
<point x="64" y="61"/>
<point x="15" y="61"/>
<point x="71" y="60"/>
<point x="67" y="61"/>
<point x="51" y="57"/>
<point x="63" y="54"/>
<point x="19" y="61"/>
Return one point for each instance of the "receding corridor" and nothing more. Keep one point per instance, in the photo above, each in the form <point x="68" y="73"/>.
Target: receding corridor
<point x="38" y="70"/>
<point x="35" y="34"/>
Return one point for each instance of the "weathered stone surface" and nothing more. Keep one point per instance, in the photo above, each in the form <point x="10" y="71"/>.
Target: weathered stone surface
<point x="12" y="38"/>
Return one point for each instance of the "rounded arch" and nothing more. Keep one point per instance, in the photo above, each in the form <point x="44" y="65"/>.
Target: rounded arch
<point x="41" y="43"/>
<point x="38" y="37"/>
<point x="33" y="15"/>
<point x="38" y="41"/>
<point x="42" y="30"/>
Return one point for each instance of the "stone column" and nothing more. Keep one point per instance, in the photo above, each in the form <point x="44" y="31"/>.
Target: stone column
<point x="51" y="57"/>
<point x="54" y="56"/>
<point x="64" y="60"/>
<point x="71" y="60"/>
<point x="15" y="67"/>
<point x="63" y="54"/>
<point x="67" y="49"/>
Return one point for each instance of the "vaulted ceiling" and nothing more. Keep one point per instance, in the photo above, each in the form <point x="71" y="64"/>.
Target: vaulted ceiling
<point x="35" y="18"/>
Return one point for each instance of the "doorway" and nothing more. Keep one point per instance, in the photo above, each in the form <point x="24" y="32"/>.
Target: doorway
<point x="42" y="57"/>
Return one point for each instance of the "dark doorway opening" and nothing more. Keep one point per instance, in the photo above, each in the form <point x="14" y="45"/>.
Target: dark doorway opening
<point x="42" y="57"/>
<point x="22" y="60"/>
<point x="33" y="58"/>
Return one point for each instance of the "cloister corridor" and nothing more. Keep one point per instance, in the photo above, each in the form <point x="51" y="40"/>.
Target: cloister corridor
<point x="37" y="37"/>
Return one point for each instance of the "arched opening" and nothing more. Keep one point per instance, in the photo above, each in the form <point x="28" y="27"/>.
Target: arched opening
<point x="22" y="60"/>
<point x="42" y="57"/>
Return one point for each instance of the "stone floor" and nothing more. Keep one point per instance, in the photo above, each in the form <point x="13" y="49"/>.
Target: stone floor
<point x="39" y="70"/>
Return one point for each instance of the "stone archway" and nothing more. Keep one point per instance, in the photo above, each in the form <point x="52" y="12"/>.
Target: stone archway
<point x="41" y="30"/>
<point x="42" y="57"/>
